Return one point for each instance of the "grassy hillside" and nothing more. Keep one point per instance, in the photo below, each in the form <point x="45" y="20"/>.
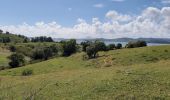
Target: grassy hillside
<point x="3" y="56"/>
<point x="14" y="38"/>
<point x="141" y="73"/>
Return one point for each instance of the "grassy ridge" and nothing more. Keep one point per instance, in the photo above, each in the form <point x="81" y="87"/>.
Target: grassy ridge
<point x="141" y="73"/>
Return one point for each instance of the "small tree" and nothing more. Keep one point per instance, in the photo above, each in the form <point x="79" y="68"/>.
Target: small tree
<point x="100" y="46"/>
<point x="48" y="53"/>
<point x="111" y="46"/>
<point x="17" y="60"/>
<point x="37" y="54"/>
<point x="69" y="47"/>
<point x="134" y="44"/>
<point x="92" y="51"/>
<point x="12" y="48"/>
<point x="85" y="44"/>
<point x="119" y="46"/>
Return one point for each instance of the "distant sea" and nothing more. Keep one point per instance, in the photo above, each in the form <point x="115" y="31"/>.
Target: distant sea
<point x="124" y="43"/>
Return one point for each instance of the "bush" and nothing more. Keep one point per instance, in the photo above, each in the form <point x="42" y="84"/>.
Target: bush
<point x="17" y="60"/>
<point x="91" y="51"/>
<point x="111" y="46"/>
<point x="100" y="46"/>
<point x="119" y="46"/>
<point x="135" y="44"/>
<point x="69" y="47"/>
<point x="12" y="48"/>
<point x="27" y="72"/>
<point x="85" y="44"/>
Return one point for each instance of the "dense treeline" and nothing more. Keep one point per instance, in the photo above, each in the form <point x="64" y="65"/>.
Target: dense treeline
<point x="42" y="39"/>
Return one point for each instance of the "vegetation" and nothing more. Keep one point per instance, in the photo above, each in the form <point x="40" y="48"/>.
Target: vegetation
<point x="113" y="73"/>
<point x="42" y="39"/>
<point x="69" y="47"/>
<point x="133" y="74"/>
<point x="27" y="72"/>
<point x="135" y="44"/>
<point x="17" y="60"/>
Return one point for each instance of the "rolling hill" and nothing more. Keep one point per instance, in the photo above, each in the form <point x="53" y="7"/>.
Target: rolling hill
<point x="141" y="73"/>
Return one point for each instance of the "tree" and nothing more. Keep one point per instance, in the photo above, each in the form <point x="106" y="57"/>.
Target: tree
<point x="134" y="44"/>
<point x="12" y="48"/>
<point x="111" y="46"/>
<point x="119" y="46"/>
<point x="69" y="47"/>
<point x="17" y="60"/>
<point x="91" y="51"/>
<point x="100" y="46"/>
<point x="85" y="44"/>
<point x="37" y="54"/>
<point x="47" y="53"/>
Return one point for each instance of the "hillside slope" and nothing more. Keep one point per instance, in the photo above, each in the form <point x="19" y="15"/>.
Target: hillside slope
<point x="141" y="73"/>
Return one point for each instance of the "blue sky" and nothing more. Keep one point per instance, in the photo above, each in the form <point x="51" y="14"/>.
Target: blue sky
<point x="86" y="18"/>
<point x="66" y="12"/>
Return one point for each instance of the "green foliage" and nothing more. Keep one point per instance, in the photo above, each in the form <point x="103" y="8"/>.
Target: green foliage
<point x="16" y="60"/>
<point x="100" y="46"/>
<point x="91" y="51"/>
<point x="69" y="47"/>
<point x="45" y="52"/>
<point x="12" y="48"/>
<point x="42" y="39"/>
<point x="111" y="47"/>
<point x="135" y="44"/>
<point x="119" y="46"/>
<point x="129" y="76"/>
<point x="27" y="72"/>
<point x="85" y="44"/>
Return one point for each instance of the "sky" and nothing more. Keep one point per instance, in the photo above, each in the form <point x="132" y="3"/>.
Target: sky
<point x="87" y="18"/>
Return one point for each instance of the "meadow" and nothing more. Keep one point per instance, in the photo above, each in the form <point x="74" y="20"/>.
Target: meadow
<point x="125" y="74"/>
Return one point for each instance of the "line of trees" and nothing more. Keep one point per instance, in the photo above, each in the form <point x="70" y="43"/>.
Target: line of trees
<point x="42" y="39"/>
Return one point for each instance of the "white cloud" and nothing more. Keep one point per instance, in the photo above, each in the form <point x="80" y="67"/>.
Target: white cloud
<point x="99" y="5"/>
<point x="113" y="15"/>
<point x="152" y="22"/>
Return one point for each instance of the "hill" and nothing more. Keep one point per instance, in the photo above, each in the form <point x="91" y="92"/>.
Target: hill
<point x="141" y="73"/>
<point x="11" y="38"/>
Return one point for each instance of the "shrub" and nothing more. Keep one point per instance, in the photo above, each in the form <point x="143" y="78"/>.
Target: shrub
<point x="91" y="51"/>
<point x="85" y="44"/>
<point x="37" y="54"/>
<point x="27" y="72"/>
<point x="135" y="44"/>
<point x="119" y="46"/>
<point x="12" y="48"/>
<point x="17" y="60"/>
<point x="69" y="47"/>
<point x="111" y="46"/>
<point x="100" y="46"/>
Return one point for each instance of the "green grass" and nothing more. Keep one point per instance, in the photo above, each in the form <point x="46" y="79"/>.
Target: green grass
<point x="135" y="74"/>
<point x="3" y="57"/>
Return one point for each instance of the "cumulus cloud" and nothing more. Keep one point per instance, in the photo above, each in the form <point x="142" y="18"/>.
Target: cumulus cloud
<point x="152" y="22"/>
<point x="113" y="15"/>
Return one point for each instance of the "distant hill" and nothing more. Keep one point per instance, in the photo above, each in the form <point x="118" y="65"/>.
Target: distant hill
<point x="148" y="40"/>
<point x="5" y="38"/>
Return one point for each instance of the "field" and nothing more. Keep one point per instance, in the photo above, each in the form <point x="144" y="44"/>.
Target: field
<point x="135" y="74"/>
